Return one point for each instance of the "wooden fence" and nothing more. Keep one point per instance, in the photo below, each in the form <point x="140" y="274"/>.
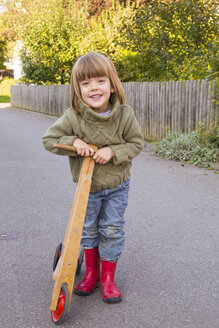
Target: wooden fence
<point x="159" y="107"/>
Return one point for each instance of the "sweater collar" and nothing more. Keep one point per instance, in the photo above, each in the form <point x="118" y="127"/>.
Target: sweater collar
<point x="89" y="114"/>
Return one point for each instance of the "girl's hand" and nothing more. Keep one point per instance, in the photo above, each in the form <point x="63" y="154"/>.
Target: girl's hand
<point x="83" y="149"/>
<point x="103" y="155"/>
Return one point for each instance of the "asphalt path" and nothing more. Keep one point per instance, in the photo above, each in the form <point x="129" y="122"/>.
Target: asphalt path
<point x="168" y="271"/>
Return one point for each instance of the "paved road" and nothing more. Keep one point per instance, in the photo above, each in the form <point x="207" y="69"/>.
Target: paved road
<point x="167" y="273"/>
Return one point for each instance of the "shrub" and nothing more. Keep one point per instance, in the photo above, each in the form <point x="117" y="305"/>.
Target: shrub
<point x="199" y="147"/>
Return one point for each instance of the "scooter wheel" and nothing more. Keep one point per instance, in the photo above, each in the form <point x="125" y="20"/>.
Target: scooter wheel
<point x="80" y="260"/>
<point x="62" y="306"/>
<point x="57" y="255"/>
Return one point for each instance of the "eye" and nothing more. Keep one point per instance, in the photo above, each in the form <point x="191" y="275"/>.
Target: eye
<point x="84" y="83"/>
<point x="101" y="80"/>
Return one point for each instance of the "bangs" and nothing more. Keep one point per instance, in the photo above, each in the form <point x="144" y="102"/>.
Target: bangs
<point x="90" y="66"/>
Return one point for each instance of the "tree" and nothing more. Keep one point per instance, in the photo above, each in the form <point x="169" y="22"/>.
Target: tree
<point x="96" y="7"/>
<point x="54" y="33"/>
<point x="173" y="40"/>
<point x="3" y="44"/>
<point x="148" y="40"/>
<point x="104" y="34"/>
<point x="50" y="32"/>
<point x="2" y="54"/>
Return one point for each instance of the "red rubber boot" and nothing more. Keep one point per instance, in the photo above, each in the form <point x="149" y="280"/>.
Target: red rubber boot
<point x="92" y="276"/>
<point x="111" y="293"/>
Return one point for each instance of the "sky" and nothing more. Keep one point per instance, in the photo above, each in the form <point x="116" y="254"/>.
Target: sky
<point x="1" y="5"/>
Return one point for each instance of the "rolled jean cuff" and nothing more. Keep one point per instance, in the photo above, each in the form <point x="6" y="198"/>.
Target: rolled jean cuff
<point x="109" y="260"/>
<point x="90" y="247"/>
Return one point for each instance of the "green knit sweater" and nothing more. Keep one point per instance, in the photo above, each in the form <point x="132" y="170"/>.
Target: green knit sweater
<point x="119" y="130"/>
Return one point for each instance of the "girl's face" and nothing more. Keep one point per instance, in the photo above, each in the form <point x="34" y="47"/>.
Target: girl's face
<point x="96" y="92"/>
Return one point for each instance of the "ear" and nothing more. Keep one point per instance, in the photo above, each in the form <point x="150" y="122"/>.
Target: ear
<point x="112" y="90"/>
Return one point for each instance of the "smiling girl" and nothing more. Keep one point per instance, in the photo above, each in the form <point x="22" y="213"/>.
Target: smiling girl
<point x="99" y="116"/>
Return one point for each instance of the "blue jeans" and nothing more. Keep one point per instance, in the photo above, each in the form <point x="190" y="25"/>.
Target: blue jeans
<point x="104" y="222"/>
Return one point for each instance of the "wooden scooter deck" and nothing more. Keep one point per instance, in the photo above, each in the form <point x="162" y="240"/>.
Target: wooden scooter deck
<point x="67" y="264"/>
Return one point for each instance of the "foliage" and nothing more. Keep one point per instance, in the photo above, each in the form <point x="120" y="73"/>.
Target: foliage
<point x="199" y="147"/>
<point x="2" y="54"/>
<point x="5" y="86"/>
<point x="7" y="33"/>
<point x="103" y="35"/>
<point x="3" y="46"/>
<point x="95" y="7"/>
<point x="5" y="99"/>
<point x="208" y="136"/>
<point x="51" y="45"/>
<point x="174" y="40"/>
<point x="50" y="32"/>
<point x="56" y="32"/>
<point x="148" y="40"/>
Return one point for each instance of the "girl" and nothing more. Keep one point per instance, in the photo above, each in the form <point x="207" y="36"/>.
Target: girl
<point x="99" y="116"/>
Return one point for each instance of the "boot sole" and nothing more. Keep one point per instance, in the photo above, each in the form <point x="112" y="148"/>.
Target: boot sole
<point x="112" y="300"/>
<point x="83" y="293"/>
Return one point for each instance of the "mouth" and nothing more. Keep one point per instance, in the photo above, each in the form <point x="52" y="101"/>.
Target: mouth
<point x="96" y="96"/>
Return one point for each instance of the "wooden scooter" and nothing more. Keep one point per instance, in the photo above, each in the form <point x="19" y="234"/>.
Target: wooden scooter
<point x="69" y="256"/>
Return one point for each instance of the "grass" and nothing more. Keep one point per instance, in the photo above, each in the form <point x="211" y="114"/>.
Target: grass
<point x="4" y="99"/>
<point x="200" y="147"/>
<point x="5" y="86"/>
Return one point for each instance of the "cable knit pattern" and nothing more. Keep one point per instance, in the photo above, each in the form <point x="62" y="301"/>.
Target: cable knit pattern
<point x="119" y="130"/>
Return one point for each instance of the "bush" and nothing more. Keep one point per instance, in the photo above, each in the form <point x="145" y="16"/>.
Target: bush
<point x="154" y="40"/>
<point x="208" y="135"/>
<point x="199" y="147"/>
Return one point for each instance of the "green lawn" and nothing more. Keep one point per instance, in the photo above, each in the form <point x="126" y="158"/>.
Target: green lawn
<point x="5" y="86"/>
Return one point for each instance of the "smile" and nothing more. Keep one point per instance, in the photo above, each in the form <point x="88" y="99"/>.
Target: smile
<point x="95" y="96"/>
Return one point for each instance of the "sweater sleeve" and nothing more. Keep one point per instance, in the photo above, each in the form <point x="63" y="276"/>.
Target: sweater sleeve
<point x="60" y="132"/>
<point x="134" y="142"/>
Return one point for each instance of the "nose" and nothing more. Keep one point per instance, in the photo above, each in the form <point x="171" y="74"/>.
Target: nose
<point x="93" y="85"/>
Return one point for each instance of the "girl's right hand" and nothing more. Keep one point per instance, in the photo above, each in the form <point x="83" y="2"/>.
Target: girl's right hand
<point x="83" y="149"/>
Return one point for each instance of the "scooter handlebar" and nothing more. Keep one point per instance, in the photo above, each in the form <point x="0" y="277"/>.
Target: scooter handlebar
<point x="71" y="148"/>
<point x="65" y="147"/>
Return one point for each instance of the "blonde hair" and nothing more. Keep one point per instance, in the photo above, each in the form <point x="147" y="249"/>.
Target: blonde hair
<point x="91" y="65"/>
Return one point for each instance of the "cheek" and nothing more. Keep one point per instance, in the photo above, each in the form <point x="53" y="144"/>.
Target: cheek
<point x="108" y="90"/>
<point x="83" y="93"/>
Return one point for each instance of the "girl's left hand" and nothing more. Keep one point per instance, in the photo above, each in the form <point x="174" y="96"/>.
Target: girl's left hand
<point x="103" y="155"/>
